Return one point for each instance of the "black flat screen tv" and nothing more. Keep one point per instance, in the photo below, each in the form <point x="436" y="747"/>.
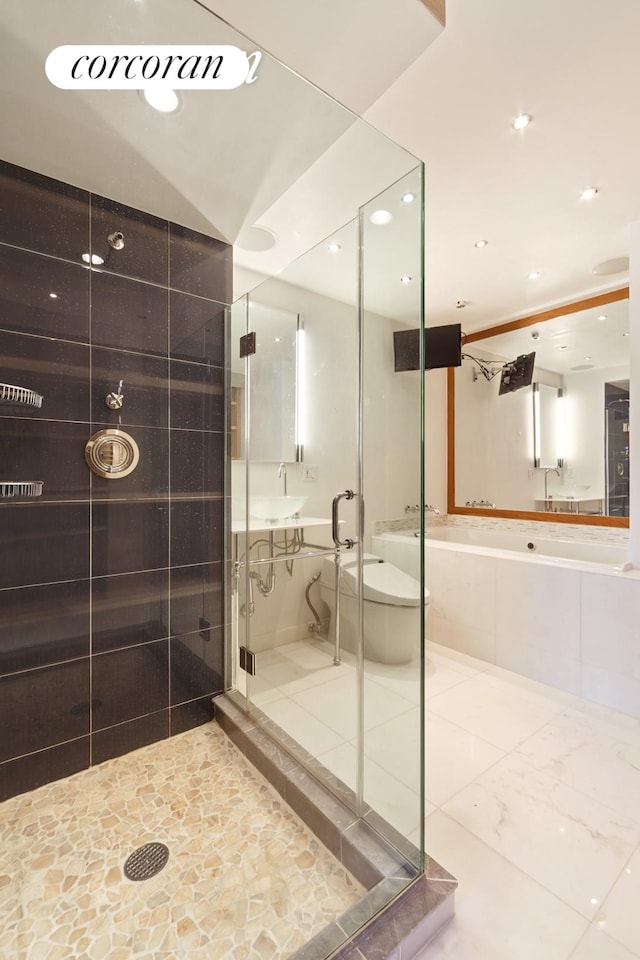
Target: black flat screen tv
<point x="442" y="347"/>
<point x="518" y="373"/>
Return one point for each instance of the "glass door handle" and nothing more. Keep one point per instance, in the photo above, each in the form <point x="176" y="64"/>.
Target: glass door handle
<point x="347" y="495"/>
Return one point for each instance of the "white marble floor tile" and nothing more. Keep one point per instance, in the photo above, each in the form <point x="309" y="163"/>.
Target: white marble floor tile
<point x="335" y="704"/>
<point x="310" y="732"/>
<point x="566" y="841"/>
<point x="501" y="714"/>
<point x="456" y="660"/>
<point x="599" y="757"/>
<point x="501" y="914"/>
<point x="395" y="746"/>
<point x="597" y="945"/>
<point x="453" y="758"/>
<point x="440" y="676"/>
<point x="394" y="801"/>
<point x="517" y="681"/>
<point x="619" y="915"/>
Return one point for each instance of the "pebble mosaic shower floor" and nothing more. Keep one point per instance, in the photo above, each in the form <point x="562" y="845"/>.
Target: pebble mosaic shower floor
<point x="246" y="880"/>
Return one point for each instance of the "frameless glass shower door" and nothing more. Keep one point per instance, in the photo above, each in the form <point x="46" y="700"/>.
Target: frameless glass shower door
<point x="328" y="634"/>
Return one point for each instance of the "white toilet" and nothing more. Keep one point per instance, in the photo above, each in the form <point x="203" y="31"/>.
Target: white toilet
<point x="391" y="607"/>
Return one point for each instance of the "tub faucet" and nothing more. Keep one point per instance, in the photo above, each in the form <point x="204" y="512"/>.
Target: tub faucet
<point x="282" y="472"/>
<point x="480" y="503"/>
<point x="547" y="471"/>
<point x="429" y="509"/>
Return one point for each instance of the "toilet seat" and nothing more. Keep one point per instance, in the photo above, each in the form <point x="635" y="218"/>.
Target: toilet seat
<point x="382" y="582"/>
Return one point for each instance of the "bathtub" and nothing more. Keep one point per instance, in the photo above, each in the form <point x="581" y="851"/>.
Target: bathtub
<point x="402" y="548"/>
<point x="555" y="610"/>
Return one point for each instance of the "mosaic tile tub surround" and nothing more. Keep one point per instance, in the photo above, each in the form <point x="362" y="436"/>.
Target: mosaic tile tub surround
<point x="245" y="880"/>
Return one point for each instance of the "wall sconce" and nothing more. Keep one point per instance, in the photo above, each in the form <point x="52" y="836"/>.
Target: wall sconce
<point x="549" y="430"/>
<point x="561" y="436"/>
<point x="301" y="392"/>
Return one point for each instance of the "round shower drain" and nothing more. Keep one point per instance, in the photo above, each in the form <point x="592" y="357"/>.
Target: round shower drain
<point x="146" y="861"/>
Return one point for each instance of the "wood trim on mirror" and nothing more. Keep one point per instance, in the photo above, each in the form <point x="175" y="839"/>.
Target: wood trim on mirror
<point x="600" y="300"/>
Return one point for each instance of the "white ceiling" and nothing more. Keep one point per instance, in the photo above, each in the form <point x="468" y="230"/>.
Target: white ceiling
<point x="448" y="99"/>
<point x="574" y="66"/>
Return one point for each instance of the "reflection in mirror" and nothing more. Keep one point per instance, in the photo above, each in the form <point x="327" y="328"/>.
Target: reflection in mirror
<point x="274" y="381"/>
<point x="560" y="445"/>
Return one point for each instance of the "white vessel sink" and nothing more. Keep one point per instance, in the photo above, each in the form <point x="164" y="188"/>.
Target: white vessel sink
<point x="275" y="508"/>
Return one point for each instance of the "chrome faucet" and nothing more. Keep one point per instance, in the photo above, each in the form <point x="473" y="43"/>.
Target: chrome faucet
<point x="547" y="471"/>
<point x="429" y="509"/>
<point x="480" y="503"/>
<point x="282" y="472"/>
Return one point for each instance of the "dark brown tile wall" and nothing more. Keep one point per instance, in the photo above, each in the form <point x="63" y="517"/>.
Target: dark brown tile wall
<point x="111" y="591"/>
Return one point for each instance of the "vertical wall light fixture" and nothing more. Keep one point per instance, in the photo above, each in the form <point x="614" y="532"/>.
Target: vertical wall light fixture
<point x="561" y="439"/>
<point x="301" y="391"/>
<point x="536" y="425"/>
<point x="554" y="421"/>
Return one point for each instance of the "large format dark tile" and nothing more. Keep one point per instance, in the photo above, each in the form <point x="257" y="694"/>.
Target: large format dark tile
<point x="197" y="532"/>
<point x="43" y="625"/>
<point x="150" y="478"/>
<point x="197" y="396"/>
<point x="129" y="609"/>
<point x="197" y="463"/>
<point x="129" y="536"/>
<point x="57" y="370"/>
<point x="53" y="763"/>
<point x="186" y="716"/>
<point x="39" y="708"/>
<point x="128" y="315"/>
<point x="196" y="328"/>
<point x="47" y="450"/>
<point x="43" y="543"/>
<point x="39" y="213"/>
<point x="130" y="683"/>
<point x="196" y="597"/>
<point x="131" y="735"/>
<point x="145" y="388"/>
<point x="145" y="251"/>
<point x="28" y="282"/>
<point x="196" y="665"/>
<point x="199" y="264"/>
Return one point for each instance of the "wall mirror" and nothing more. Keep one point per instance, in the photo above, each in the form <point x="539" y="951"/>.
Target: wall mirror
<point x="274" y="375"/>
<point x="556" y="448"/>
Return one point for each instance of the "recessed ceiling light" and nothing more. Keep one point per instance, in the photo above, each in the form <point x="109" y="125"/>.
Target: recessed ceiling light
<point x="276" y="339"/>
<point x="534" y="275"/>
<point x="256" y="239"/>
<point x="405" y="278"/>
<point x="381" y="217"/>
<point x="334" y="247"/>
<point x="602" y="316"/>
<point x="162" y="99"/>
<point x="480" y="244"/>
<point x="626" y="334"/>
<point x="588" y="358"/>
<point x="589" y="193"/>
<point x="564" y="347"/>
<point x="54" y="296"/>
<point x="408" y="197"/>
<point x="522" y="121"/>
<point x="607" y="267"/>
<point x="94" y="258"/>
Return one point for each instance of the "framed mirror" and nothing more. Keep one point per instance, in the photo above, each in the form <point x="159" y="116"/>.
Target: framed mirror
<point x="554" y="444"/>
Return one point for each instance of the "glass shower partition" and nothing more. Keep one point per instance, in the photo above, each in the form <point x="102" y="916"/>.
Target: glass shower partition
<point x="332" y="664"/>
